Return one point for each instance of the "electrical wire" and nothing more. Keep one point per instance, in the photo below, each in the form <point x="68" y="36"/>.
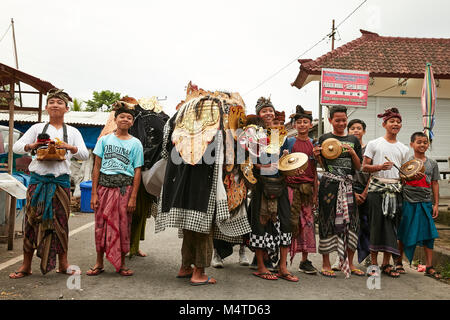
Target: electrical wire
<point x="315" y="45"/>
<point x="4" y="35"/>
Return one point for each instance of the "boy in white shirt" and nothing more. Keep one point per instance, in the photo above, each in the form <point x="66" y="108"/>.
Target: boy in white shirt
<point x="384" y="196"/>
<point x="48" y="195"/>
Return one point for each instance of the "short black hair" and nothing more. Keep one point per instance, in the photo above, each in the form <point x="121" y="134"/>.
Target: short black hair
<point x="335" y="109"/>
<point x="123" y="110"/>
<point x="352" y="122"/>
<point x="417" y="134"/>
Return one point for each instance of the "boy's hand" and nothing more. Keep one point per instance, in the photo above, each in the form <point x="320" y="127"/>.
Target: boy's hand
<point x="360" y="198"/>
<point x="317" y="150"/>
<point x="131" y="204"/>
<point x="385" y="166"/>
<point x="435" y="211"/>
<point x="348" y="148"/>
<point x="285" y="152"/>
<point x="94" y="202"/>
<point x="418" y="176"/>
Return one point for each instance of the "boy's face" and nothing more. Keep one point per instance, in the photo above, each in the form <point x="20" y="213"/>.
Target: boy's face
<point x="124" y="120"/>
<point x="420" y="144"/>
<point x="393" y="125"/>
<point x="339" y="122"/>
<point x="303" y="125"/>
<point x="267" y="114"/>
<point x="357" y="130"/>
<point x="56" y="107"/>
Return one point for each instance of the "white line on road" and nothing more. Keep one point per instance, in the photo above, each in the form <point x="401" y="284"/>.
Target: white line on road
<point x="19" y="258"/>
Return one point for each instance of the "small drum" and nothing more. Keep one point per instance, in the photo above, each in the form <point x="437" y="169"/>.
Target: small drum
<point x="331" y="148"/>
<point x="293" y="164"/>
<point x="411" y="168"/>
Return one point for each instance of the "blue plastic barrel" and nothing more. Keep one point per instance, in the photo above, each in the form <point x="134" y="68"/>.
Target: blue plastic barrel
<point x="86" y="189"/>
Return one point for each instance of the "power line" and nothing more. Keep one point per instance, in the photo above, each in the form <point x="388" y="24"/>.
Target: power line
<point x="4" y="35"/>
<point x="315" y="45"/>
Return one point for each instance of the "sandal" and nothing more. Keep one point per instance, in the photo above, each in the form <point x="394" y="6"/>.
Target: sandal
<point x="207" y="281"/>
<point x="391" y="271"/>
<point x="328" y="274"/>
<point x="358" y="272"/>
<point x="125" y="272"/>
<point x="399" y="268"/>
<point x="287" y="276"/>
<point x="266" y="275"/>
<point x="435" y="275"/>
<point x="94" y="271"/>
<point x="19" y="274"/>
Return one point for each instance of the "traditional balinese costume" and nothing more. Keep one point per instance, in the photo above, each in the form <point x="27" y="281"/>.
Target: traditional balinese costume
<point x="194" y="197"/>
<point x="48" y="194"/>
<point x="384" y="194"/>
<point x="270" y="214"/>
<point x="338" y="218"/>
<point x="301" y="191"/>
<point x="120" y="158"/>
<point x="417" y="225"/>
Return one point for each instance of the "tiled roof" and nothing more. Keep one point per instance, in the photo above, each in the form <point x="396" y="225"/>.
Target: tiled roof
<point x="383" y="57"/>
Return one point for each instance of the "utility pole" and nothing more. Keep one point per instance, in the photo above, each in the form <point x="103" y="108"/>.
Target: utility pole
<point x="17" y="59"/>
<point x="321" y="122"/>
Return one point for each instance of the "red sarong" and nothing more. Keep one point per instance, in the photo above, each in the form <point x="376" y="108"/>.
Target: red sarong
<point x="113" y="224"/>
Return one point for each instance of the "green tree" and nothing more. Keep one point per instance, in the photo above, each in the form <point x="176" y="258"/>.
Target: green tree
<point x="77" y="105"/>
<point x="101" y="98"/>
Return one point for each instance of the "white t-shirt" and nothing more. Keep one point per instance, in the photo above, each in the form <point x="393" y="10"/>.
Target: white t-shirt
<point x="379" y="148"/>
<point x="56" y="168"/>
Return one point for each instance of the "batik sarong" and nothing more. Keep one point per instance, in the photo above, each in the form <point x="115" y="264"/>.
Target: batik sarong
<point x="113" y="222"/>
<point x="385" y="204"/>
<point x="47" y="218"/>
<point x="302" y="219"/>
<point x="338" y="219"/>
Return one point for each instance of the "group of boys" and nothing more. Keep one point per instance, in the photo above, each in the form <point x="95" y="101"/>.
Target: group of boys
<point x="363" y="203"/>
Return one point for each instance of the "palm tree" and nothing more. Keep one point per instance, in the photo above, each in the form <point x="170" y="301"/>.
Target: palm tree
<point x="77" y="105"/>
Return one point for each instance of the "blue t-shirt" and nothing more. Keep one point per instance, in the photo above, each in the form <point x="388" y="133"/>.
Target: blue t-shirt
<point x="119" y="156"/>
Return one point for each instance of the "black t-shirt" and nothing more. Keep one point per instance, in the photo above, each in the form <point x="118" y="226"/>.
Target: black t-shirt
<point x="343" y="165"/>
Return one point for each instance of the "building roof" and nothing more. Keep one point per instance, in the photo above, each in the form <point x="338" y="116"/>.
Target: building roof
<point x="392" y="57"/>
<point x="9" y="75"/>
<point x="71" y="117"/>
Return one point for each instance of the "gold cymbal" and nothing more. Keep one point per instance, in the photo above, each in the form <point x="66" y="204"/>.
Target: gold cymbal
<point x="331" y="148"/>
<point x="411" y="168"/>
<point x="293" y="164"/>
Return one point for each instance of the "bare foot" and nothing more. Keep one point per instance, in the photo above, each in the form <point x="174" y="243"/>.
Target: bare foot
<point x="185" y="272"/>
<point x="141" y="254"/>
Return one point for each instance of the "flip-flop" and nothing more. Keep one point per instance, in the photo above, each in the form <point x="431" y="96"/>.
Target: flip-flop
<point x="287" y="277"/>
<point x="399" y="268"/>
<point x="265" y="276"/>
<point x="125" y="272"/>
<point x="328" y="274"/>
<point x="23" y="274"/>
<point x="358" y="272"/>
<point x="95" y="271"/>
<point x="202" y="283"/>
<point x="185" y="276"/>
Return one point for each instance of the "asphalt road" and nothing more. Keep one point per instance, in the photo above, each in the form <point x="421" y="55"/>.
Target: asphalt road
<point x="155" y="277"/>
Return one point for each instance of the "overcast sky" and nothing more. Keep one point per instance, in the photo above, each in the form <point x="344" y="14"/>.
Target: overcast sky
<point x="154" y="48"/>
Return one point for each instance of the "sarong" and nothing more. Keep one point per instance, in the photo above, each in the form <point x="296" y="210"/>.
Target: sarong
<point x="417" y="227"/>
<point x="271" y="234"/>
<point x="338" y="219"/>
<point x="49" y="236"/>
<point x="144" y="201"/>
<point x="302" y="218"/>
<point x="384" y="216"/>
<point x="113" y="224"/>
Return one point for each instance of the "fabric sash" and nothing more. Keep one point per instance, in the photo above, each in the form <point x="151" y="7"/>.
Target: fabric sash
<point x="43" y="195"/>
<point x="115" y="181"/>
<point x="390" y="192"/>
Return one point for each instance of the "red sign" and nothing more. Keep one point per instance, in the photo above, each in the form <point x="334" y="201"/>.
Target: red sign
<point x="344" y="88"/>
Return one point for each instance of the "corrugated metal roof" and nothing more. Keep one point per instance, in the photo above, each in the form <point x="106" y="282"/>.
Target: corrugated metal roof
<point x="71" y="117"/>
<point x="9" y="74"/>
